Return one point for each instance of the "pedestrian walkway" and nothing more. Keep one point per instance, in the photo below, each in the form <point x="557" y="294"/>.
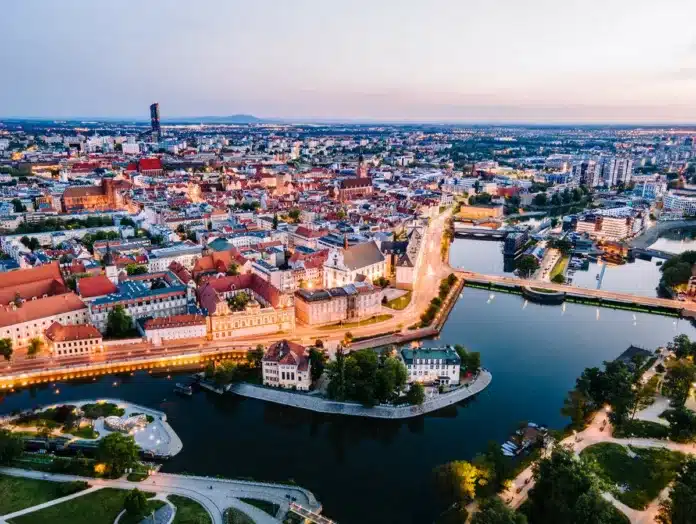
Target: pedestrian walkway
<point x="50" y="502"/>
<point x="214" y="494"/>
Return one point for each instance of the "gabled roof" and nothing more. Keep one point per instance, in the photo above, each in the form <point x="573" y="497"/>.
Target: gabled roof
<point x="362" y="255"/>
<point x="40" y="308"/>
<point x="286" y="352"/>
<point x="96" y="286"/>
<point x="60" y="333"/>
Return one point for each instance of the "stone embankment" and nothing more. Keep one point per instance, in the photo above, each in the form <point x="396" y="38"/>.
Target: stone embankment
<point x="321" y="405"/>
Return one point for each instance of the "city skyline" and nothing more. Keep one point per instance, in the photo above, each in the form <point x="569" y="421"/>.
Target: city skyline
<point x="497" y="62"/>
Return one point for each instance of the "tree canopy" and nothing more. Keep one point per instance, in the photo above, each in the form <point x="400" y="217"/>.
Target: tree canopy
<point x="118" y="322"/>
<point x="118" y="452"/>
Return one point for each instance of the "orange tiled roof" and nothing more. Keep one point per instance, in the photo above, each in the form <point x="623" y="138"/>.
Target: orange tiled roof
<point x="60" y="333"/>
<point x="95" y="286"/>
<point x="40" y="308"/>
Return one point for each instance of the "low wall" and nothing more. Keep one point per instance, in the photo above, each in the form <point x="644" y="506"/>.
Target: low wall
<point x="122" y="342"/>
<point x="320" y="405"/>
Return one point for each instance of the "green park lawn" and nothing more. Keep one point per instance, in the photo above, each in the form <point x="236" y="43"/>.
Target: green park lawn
<point x="152" y="505"/>
<point x="400" y="303"/>
<point x="189" y="511"/>
<point x="234" y="516"/>
<point x="366" y="322"/>
<point x="98" y="507"/>
<point x="559" y="268"/>
<point x="18" y="493"/>
<point x="263" y="505"/>
<point x="637" y="480"/>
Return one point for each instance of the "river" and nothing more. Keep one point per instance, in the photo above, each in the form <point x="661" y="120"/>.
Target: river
<point x="370" y="471"/>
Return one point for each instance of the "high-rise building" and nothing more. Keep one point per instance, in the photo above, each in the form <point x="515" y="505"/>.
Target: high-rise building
<point x="155" y="122"/>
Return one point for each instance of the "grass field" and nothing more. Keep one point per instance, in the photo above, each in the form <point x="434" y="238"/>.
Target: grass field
<point x="400" y="303"/>
<point x="263" y="505"/>
<point x="189" y="511"/>
<point x="367" y="322"/>
<point x="638" y="480"/>
<point x="234" y="516"/>
<point x="152" y="505"/>
<point x="98" y="507"/>
<point x="19" y="493"/>
<point x="559" y="268"/>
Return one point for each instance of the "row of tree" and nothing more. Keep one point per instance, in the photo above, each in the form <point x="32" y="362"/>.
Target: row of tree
<point x="366" y="377"/>
<point x="436" y="303"/>
<point x="677" y="270"/>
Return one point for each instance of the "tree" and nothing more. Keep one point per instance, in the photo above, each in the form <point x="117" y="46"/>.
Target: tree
<point x="255" y="356"/>
<point x="233" y="270"/>
<point x="558" y="279"/>
<point x="456" y="482"/>
<point x="11" y="446"/>
<point x="337" y="376"/>
<point x="6" y="348"/>
<point x="239" y="301"/>
<point x="564" y="491"/>
<point x="275" y="221"/>
<point x="390" y="379"/>
<point x="680" y="507"/>
<point x="682" y="424"/>
<point x="578" y="407"/>
<point x="118" y="452"/>
<point x="416" y="394"/>
<point x="317" y="360"/>
<point x="680" y="375"/>
<point x="35" y="345"/>
<point x="526" y="265"/>
<point x="136" y="269"/>
<point x="555" y="199"/>
<point x="540" y="199"/>
<point x="118" y="322"/>
<point x="294" y="215"/>
<point x="644" y="397"/>
<point x="494" y="511"/>
<point x="473" y="362"/>
<point x="682" y="346"/>
<point x="18" y="206"/>
<point x="135" y="504"/>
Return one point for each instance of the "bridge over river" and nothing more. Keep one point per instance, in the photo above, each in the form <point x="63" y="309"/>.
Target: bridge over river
<point x="598" y="296"/>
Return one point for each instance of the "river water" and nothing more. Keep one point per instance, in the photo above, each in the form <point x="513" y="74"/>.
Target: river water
<point x="370" y="471"/>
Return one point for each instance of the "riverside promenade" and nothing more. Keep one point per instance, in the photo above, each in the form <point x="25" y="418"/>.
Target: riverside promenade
<point x="321" y="405"/>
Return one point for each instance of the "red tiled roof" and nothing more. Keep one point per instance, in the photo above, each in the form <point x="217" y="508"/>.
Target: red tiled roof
<point x="149" y="164"/>
<point x="40" y="308"/>
<point x="96" y="286"/>
<point x="60" y="333"/>
<point x="174" y="321"/>
<point x="286" y="352"/>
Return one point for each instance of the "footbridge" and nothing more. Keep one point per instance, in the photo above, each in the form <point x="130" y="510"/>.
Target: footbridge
<point x="309" y="515"/>
<point x="595" y="296"/>
<point x="481" y="232"/>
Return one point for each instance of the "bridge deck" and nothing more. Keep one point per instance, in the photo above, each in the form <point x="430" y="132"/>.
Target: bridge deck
<point x="610" y="296"/>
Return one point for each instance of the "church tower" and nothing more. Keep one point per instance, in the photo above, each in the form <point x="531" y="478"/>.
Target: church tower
<point x="362" y="170"/>
<point x="109" y="266"/>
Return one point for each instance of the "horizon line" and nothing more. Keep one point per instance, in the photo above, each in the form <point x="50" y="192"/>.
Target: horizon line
<point x="358" y="120"/>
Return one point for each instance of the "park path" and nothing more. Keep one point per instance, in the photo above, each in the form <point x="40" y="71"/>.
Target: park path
<point x="592" y="435"/>
<point x="49" y="503"/>
<point x="215" y="495"/>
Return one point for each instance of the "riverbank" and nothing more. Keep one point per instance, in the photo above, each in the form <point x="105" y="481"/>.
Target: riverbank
<point x="321" y="405"/>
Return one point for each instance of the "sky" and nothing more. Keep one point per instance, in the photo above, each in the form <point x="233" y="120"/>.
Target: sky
<point x="532" y="61"/>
